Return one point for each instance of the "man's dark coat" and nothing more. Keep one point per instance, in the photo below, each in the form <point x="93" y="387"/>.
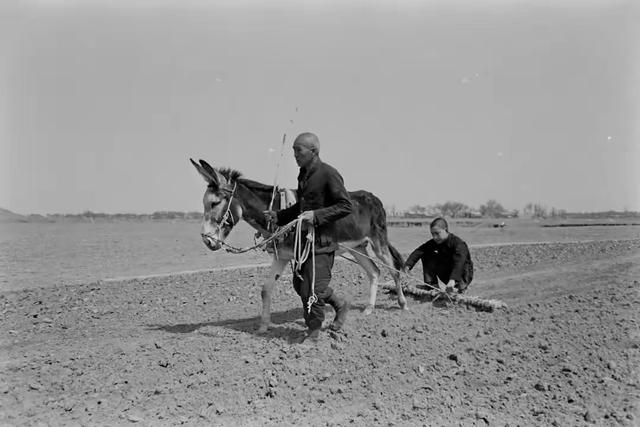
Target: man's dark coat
<point x="449" y="260"/>
<point x="321" y="190"/>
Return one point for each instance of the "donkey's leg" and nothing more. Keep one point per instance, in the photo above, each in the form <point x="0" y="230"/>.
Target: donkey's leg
<point x="276" y="271"/>
<point x="360" y="254"/>
<point x="383" y="253"/>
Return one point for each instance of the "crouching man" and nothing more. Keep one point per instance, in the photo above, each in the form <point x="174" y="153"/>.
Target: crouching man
<point x="445" y="257"/>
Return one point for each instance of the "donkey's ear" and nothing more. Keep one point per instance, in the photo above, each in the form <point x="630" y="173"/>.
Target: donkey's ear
<point x="210" y="177"/>
<point x="221" y="181"/>
<point x="206" y="166"/>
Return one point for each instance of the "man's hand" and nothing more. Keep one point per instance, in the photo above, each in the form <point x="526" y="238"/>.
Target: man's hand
<point x="270" y="216"/>
<point x="451" y="286"/>
<point x="308" y="216"/>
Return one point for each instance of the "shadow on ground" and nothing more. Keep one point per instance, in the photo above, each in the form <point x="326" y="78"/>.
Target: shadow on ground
<point x="286" y="325"/>
<point x="282" y="325"/>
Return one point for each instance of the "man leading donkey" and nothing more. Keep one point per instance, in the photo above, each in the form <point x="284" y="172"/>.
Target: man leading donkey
<point x="321" y="200"/>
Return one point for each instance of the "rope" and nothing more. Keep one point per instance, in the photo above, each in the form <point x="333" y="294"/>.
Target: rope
<point x="300" y="256"/>
<point x="378" y="262"/>
<point x="435" y="292"/>
<point x="235" y="250"/>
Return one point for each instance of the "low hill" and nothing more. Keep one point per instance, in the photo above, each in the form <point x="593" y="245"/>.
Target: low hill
<point x="8" y="216"/>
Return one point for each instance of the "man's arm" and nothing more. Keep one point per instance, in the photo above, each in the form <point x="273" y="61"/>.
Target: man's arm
<point x="341" y="205"/>
<point x="287" y="215"/>
<point x="460" y="254"/>
<point x="414" y="257"/>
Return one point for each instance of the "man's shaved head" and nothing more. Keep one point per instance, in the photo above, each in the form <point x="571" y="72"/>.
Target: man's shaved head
<point x="308" y="140"/>
<point x="439" y="230"/>
<point x="440" y="223"/>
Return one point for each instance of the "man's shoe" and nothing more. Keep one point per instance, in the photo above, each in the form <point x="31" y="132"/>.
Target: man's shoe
<point x="311" y="337"/>
<point x="462" y="287"/>
<point x="341" y="307"/>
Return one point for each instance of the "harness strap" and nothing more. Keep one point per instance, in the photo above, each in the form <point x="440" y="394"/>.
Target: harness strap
<point x="229" y="248"/>
<point x="442" y="292"/>
<point x="228" y="213"/>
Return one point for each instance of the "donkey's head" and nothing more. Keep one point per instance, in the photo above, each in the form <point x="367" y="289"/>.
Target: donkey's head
<point x="221" y="210"/>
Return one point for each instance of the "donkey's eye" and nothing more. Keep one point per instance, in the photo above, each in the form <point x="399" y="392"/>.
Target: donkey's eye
<point x="214" y="204"/>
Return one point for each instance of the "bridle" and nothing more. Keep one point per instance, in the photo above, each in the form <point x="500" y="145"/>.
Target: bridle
<point x="229" y="221"/>
<point x="226" y="220"/>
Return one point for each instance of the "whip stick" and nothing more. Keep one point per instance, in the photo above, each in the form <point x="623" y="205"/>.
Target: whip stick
<point x="275" y="179"/>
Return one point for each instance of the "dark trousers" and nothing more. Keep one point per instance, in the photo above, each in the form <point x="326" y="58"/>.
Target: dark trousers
<point x="430" y="275"/>
<point x="302" y="285"/>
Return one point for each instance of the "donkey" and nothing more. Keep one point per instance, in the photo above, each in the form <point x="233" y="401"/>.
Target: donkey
<point x="229" y="198"/>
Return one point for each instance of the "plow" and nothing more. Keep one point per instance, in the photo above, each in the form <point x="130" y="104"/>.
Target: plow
<point x="445" y="294"/>
<point x="433" y="292"/>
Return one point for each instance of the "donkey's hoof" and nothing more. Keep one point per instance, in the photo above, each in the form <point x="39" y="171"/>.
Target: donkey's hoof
<point x="367" y="310"/>
<point x="263" y="329"/>
<point x="403" y="305"/>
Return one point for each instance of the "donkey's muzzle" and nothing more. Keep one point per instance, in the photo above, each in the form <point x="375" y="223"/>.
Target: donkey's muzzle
<point x="210" y="243"/>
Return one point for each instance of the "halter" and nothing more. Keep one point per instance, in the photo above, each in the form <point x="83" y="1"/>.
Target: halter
<point x="227" y="218"/>
<point x="301" y="253"/>
<point x="227" y="215"/>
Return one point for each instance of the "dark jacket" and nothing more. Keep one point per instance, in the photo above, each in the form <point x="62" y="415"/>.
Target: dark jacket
<point x="449" y="260"/>
<point x="321" y="190"/>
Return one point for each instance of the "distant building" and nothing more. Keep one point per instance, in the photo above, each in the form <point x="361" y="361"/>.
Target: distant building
<point x="472" y="214"/>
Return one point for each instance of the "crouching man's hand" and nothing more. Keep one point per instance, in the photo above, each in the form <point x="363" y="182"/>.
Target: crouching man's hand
<point x="450" y="286"/>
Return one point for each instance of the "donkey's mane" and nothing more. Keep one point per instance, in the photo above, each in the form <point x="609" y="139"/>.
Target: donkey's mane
<point x="233" y="175"/>
<point x="230" y="174"/>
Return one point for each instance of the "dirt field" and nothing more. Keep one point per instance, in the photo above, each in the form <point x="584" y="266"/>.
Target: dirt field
<point x="184" y="350"/>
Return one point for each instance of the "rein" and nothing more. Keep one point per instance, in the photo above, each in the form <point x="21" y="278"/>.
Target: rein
<point x="441" y="292"/>
<point x="229" y="248"/>
<point x="227" y="218"/>
<point x="300" y="255"/>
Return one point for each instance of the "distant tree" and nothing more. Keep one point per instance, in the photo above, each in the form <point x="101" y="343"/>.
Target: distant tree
<point x="492" y="209"/>
<point x="471" y="213"/>
<point x="431" y="210"/>
<point x="194" y="215"/>
<point x="539" y="211"/>
<point x="159" y="215"/>
<point x="451" y="209"/>
<point x="557" y="213"/>
<point x="417" y="209"/>
<point x="391" y="210"/>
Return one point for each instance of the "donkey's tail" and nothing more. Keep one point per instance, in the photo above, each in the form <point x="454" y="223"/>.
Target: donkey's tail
<point x="398" y="261"/>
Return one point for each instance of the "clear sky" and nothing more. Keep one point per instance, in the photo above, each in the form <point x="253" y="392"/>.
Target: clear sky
<point x="103" y="102"/>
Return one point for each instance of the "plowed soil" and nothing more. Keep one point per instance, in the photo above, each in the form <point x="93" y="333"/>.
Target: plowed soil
<point x="185" y="350"/>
